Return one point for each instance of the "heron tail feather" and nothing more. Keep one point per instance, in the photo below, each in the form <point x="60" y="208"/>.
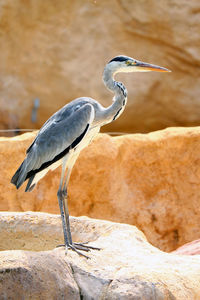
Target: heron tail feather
<point x="20" y="175"/>
<point x="30" y="186"/>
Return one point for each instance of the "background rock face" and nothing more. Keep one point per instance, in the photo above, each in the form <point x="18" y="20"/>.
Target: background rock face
<point x="148" y="180"/>
<point x="57" y="51"/>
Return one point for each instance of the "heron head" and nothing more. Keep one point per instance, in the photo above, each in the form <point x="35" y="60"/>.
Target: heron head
<point x="126" y="64"/>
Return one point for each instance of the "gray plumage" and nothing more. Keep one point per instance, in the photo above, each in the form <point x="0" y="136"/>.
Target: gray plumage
<point x="71" y="129"/>
<point x="48" y="146"/>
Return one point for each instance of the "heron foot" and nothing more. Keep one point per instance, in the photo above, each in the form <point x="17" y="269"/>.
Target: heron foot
<point x="74" y="248"/>
<point x="79" y="246"/>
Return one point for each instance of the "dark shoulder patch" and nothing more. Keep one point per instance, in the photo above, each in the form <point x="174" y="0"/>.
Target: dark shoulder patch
<point x="119" y="58"/>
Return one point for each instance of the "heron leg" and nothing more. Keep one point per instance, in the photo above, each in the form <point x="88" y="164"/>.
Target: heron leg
<point x="66" y="223"/>
<point x="61" y="198"/>
<point x="66" y="210"/>
<point x="60" y="201"/>
<point x="80" y="246"/>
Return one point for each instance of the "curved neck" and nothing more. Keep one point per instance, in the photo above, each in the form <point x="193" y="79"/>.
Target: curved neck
<point x="119" y="101"/>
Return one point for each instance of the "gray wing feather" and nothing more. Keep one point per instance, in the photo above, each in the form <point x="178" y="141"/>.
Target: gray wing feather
<point x="58" y="134"/>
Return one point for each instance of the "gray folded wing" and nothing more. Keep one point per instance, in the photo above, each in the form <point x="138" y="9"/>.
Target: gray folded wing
<point x="60" y="135"/>
<point x="54" y="141"/>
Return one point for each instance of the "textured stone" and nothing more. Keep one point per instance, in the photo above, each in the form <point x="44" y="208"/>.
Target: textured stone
<point x="192" y="248"/>
<point x="35" y="275"/>
<point x="127" y="267"/>
<point x="150" y="180"/>
<point x="57" y="52"/>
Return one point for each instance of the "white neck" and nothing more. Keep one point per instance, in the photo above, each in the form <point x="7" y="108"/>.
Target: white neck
<point x="116" y="108"/>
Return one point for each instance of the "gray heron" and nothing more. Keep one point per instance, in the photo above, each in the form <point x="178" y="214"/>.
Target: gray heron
<point x="68" y="131"/>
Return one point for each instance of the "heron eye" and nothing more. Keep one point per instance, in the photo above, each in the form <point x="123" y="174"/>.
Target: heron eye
<point x="130" y="63"/>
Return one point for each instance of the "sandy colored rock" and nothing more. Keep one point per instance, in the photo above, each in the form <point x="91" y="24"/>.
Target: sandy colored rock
<point x="57" y="52"/>
<point x="150" y="180"/>
<point x="129" y="269"/>
<point x="35" y="275"/>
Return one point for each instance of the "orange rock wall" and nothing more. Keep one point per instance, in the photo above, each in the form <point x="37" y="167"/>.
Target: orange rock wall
<point x="56" y="51"/>
<point x="148" y="180"/>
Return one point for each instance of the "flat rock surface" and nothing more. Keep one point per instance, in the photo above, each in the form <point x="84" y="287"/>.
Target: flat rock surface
<point x="127" y="267"/>
<point x="57" y="52"/>
<point x="151" y="181"/>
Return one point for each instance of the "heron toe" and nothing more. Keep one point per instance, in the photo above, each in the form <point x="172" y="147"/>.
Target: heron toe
<point x="83" y="246"/>
<point x="79" y="246"/>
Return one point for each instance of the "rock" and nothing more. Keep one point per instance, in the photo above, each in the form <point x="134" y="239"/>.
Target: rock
<point x="192" y="248"/>
<point x="127" y="267"/>
<point x="57" y="53"/>
<point x="150" y="180"/>
<point x="36" y="275"/>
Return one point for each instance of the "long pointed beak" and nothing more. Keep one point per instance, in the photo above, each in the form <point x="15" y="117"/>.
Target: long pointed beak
<point x="149" y="67"/>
